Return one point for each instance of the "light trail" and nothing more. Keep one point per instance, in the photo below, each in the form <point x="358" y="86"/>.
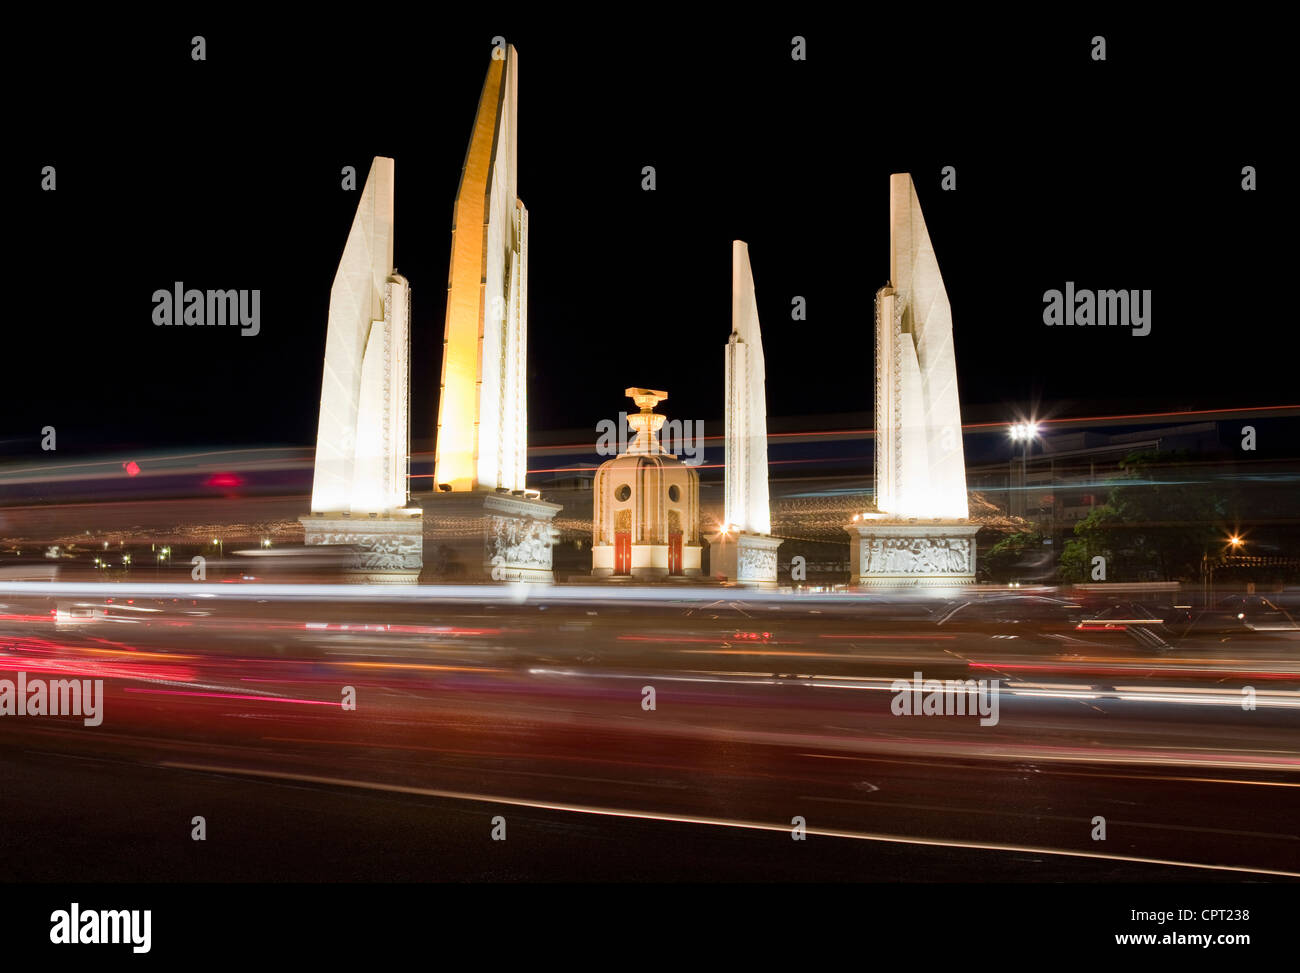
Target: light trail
<point x="711" y="822"/>
<point x="535" y="593"/>
<point x="299" y="457"/>
<point x="241" y="696"/>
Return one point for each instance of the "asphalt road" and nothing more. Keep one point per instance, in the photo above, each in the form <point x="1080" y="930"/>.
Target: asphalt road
<point x="540" y="717"/>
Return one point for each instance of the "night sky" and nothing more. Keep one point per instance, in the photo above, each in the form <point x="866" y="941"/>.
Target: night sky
<point x="226" y="174"/>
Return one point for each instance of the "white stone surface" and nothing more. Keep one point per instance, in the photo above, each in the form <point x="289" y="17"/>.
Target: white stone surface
<point x="920" y="463"/>
<point x="362" y="438"/>
<point x="746" y="506"/>
<point x="747" y="558"/>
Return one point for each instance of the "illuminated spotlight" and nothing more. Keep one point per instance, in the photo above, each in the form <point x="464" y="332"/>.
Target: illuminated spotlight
<point x="266" y="542"/>
<point x="1235" y="541"/>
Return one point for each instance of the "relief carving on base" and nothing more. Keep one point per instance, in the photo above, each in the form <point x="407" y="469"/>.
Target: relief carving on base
<point x="756" y="564"/>
<point x="380" y="552"/>
<point x="917" y="555"/>
<point x="520" y="542"/>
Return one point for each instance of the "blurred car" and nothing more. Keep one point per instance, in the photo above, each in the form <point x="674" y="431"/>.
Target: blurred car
<point x="1258" y="614"/>
<point x="298" y="562"/>
<point x="1133" y="621"/>
<point x="1001" y="615"/>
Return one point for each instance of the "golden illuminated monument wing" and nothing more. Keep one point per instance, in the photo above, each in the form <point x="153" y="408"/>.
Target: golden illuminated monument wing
<point x="483" y="407"/>
<point x="480" y="522"/>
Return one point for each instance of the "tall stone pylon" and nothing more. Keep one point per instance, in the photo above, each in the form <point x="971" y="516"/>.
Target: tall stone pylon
<point x="746" y="506"/>
<point x="920" y="463"/>
<point x="481" y="522"/>
<point x="483" y="406"/>
<point x="919" y="532"/>
<point x="744" y="550"/>
<point x="359" y="487"/>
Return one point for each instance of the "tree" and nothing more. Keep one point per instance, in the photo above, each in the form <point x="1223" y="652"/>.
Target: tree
<point x="1017" y="556"/>
<point x="1160" y="519"/>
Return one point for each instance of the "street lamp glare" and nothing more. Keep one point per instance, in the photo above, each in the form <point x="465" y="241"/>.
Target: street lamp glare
<point x="1024" y="430"/>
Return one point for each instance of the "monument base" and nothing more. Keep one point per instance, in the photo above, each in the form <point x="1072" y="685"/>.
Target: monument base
<point x="745" y="558"/>
<point x="911" y="553"/>
<point x="386" y="547"/>
<point x="486" y="535"/>
<point x="645" y="562"/>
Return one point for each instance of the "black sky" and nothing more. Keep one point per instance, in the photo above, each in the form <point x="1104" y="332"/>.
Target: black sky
<point x="225" y="174"/>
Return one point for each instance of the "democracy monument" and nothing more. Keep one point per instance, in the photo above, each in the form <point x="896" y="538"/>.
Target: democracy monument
<point x="482" y="523"/>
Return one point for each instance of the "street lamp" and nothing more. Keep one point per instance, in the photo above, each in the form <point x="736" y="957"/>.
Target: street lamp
<point x="1025" y="432"/>
<point x="1233" y="541"/>
<point x="724" y="531"/>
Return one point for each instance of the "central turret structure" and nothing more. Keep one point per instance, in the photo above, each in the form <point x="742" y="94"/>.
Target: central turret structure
<point x="645" y="522"/>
